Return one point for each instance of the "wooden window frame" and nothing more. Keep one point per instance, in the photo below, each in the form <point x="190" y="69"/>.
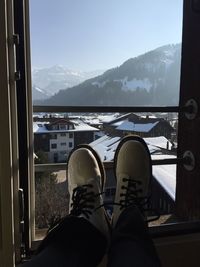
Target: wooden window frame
<point x="188" y="199"/>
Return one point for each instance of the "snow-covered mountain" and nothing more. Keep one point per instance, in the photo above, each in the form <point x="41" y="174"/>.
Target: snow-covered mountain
<point x="150" y="79"/>
<point x="48" y="81"/>
<point x="38" y="93"/>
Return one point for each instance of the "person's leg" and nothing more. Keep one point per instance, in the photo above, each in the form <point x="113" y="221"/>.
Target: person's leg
<point x="81" y="238"/>
<point x="74" y="242"/>
<point x="131" y="244"/>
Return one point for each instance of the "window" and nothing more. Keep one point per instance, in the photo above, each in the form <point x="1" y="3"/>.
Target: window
<point x="62" y="127"/>
<point x="63" y="134"/>
<point x="146" y="77"/>
<point x="63" y="144"/>
<point x="53" y="146"/>
<point x="54" y="127"/>
<point x="126" y="84"/>
<point x="53" y="136"/>
<point x="71" y="135"/>
<point x="191" y="138"/>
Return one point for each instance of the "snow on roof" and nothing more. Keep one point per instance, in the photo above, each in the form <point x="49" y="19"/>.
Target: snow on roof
<point x="160" y="142"/>
<point x="39" y="127"/>
<point x="149" y="117"/>
<point x="79" y="126"/>
<point x="106" y="143"/>
<point x="118" y="123"/>
<point x="99" y="140"/>
<point x="108" y="118"/>
<point x="93" y="121"/>
<point x="136" y="127"/>
<point x="119" y="118"/>
<point x="111" y="141"/>
<point x="105" y="147"/>
<point x="83" y="127"/>
<point x="153" y="149"/>
<point x="166" y="175"/>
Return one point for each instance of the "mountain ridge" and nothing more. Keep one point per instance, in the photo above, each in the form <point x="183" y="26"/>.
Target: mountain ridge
<point x="48" y="81"/>
<point x="148" y="79"/>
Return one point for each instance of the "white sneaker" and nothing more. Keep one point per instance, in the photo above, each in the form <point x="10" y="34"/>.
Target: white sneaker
<point x="86" y="178"/>
<point x="133" y="172"/>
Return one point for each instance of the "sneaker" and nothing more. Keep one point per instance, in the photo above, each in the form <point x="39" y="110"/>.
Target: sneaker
<point x="86" y="178"/>
<point x="133" y="172"/>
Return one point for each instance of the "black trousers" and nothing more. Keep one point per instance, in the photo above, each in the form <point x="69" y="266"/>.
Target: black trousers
<point x="77" y="243"/>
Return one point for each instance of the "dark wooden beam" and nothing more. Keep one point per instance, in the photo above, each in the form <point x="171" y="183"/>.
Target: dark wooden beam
<point x="188" y="179"/>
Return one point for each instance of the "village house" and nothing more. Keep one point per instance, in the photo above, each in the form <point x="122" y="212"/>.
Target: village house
<point x="58" y="137"/>
<point x="144" y="126"/>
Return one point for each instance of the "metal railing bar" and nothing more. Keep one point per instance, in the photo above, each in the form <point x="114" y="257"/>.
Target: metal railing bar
<point x="50" y="167"/>
<point x="165" y="161"/>
<point x="107" y="109"/>
<point x="63" y="166"/>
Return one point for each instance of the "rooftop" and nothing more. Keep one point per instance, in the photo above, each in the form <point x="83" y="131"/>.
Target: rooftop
<point x="164" y="174"/>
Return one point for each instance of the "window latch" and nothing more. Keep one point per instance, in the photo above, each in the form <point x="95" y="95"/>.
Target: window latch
<point x="16" y="39"/>
<point x="192" y="109"/>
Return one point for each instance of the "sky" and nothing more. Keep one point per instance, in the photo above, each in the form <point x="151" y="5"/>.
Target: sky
<point x="100" y="34"/>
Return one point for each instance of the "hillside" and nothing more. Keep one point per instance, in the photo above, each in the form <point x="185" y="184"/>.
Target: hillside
<point x="150" y="79"/>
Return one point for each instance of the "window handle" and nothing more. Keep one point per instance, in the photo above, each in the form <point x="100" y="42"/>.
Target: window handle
<point x="21" y="209"/>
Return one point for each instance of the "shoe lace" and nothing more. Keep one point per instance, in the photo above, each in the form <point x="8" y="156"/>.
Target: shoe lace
<point x="83" y="200"/>
<point x="131" y="196"/>
<point x="82" y="203"/>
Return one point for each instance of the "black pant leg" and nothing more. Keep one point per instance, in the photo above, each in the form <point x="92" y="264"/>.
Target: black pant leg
<point x="52" y="256"/>
<point x="131" y="244"/>
<point x="74" y="243"/>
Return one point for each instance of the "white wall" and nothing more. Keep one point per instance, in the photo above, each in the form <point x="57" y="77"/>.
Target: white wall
<point x="60" y="149"/>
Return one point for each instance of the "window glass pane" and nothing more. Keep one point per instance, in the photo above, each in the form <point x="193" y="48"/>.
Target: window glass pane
<point x="70" y="135"/>
<point x="63" y="144"/>
<point x="103" y="132"/>
<point x="51" y="199"/>
<point x="53" y="146"/>
<point x="106" y="53"/>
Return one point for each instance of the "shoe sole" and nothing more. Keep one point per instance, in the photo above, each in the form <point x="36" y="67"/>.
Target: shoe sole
<point x="98" y="159"/>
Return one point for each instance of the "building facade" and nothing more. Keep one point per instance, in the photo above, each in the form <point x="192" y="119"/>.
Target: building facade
<point x="58" y="137"/>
